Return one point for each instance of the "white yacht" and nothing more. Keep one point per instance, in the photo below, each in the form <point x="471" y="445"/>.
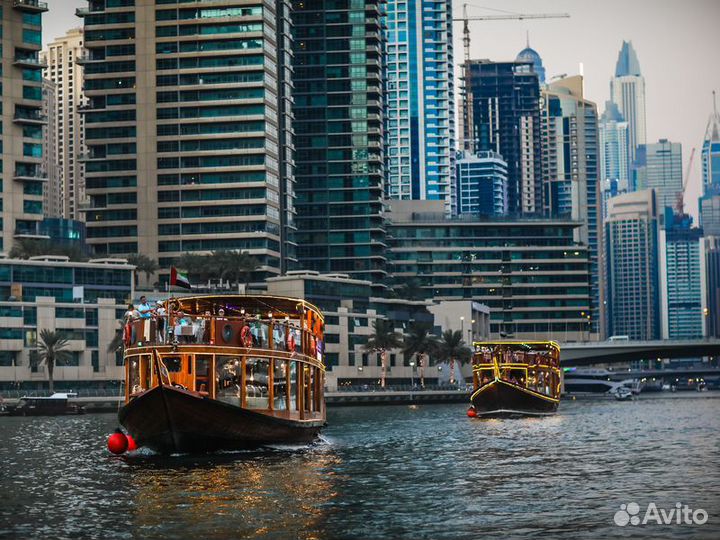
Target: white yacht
<point x="595" y="382"/>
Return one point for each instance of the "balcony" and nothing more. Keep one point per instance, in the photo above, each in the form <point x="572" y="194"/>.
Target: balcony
<point x="29" y="62"/>
<point x="30" y="6"/>
<point x="29" y="175"/>
<point x="35" y="230"/>
<point x="87" y="58"/>
<point x="30" y="117"/>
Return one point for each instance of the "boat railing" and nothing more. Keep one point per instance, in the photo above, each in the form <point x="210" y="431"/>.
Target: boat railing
<point x="285" y="335"/>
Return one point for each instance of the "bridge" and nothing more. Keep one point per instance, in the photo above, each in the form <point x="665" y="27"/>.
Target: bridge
<point x="614" y="352"/>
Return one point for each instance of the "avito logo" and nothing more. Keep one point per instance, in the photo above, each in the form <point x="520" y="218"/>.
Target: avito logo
<point x="679" y="515"/>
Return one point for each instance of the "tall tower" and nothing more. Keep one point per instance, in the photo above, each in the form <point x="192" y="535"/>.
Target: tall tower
<point x="52" y="192"/>
<point x="631" y="240"/>
<point x="420" y="101"/>
<point x="21" y="133"/>
<point x="570" y="169"/>
<point x="338" y="109"/>
<point x="528" y="54"/>
<point x="186" y="116"/>
<point x="66" y="73"/>
<point x="613" y="134"/>
<point x="658" y="166"/>
<point x="627" y="91"/>
<point x="500" y="112"/>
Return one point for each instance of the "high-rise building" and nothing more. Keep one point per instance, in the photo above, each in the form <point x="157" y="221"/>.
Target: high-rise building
<point x="187" y="129"/>
<point x="338" y="110"/>
<point x="419" y="100"/>
<point x="67" y="74"/>
<point x="500" y="112"/>
<point x="528" y="54"/>
<point x="52" y="193"/>
<point x="481" y="184"/>
<point x="570" y="169"/>
<point x="613" y="135"/>
<point x="631" y="241"/>
<point x="710" y="157"/>
<point x="658" y="166"/>
<point x="627" y="91"/>
<point x="21" y="133"/>
<point x="682" y="278"/>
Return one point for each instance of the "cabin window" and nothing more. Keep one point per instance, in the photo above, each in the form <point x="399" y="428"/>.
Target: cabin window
<point x="485" y="376"/>
<point x="256" y="383"/>
<point x="139" y="373"/>
<point x="293" y="385"/>
<point x="173" y="364"/>
<point x="308" y="388"/>
<point x="202" y="373"/>
<point x="280" y="385"/>
<point x="228" y="376"/>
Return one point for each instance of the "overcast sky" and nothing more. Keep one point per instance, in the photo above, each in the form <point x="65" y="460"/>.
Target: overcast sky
<point x="677" y="43"/>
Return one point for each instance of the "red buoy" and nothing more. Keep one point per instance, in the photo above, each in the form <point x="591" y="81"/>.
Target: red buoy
<point x="132" y="445"/>
<point x="117" y="443"/>
<point x="471" y="412"/>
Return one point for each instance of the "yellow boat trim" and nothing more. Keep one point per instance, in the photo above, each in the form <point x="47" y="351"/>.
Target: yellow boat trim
<point x="526" y="390"/>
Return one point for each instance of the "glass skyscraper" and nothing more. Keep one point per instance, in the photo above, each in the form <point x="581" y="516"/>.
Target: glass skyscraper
<point x="420" y="110"/>
<point x="632" y="280"/>
<point x="186" y="129"/>
<point x="627" y="91"/>
<point x="658" y="166"/>
<point x="613" y="134"/>
<point x="338" y="109"/>
<point x="481" y="184"/>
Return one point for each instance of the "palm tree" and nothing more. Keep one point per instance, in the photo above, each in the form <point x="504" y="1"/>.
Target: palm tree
<point x="236" y="266"/>
<point x="419" y="342"/>
<point x="25" y="248"/>
<point x="117" y="342"/>
<point x="452" y="348"/>
<point x="143" y="264"/>
<point x="383" y="339"/>
<point x="52" y="352"/>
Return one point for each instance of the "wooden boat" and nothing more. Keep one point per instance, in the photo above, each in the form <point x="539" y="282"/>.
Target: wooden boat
<point x="55" y="405"/>
<point x="225" y="372"/>
<point x="514" y="378"/>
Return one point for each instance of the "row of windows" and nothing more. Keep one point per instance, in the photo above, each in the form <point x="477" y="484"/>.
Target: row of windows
<point x="210" y="112"/>
<point x="218" y="228"/>
<point x="213" y="61"/>
<point x="210" y="95"/>
<point x="207" y="128"/>
<point x="200" y="29"/>
<point x="189" y="79"/>
<point x="172" y="47"/>
<point x="210" y="161"/>
<point x="219" y="244"/>
<point x="210" y="144"/>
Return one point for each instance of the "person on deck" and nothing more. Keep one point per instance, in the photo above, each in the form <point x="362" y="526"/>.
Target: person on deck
<point x="144" y="309"/>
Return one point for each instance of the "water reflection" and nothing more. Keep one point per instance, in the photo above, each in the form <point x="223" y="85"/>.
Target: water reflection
<point x="260" y="494"/>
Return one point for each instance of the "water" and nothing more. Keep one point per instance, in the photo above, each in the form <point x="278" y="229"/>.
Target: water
<point x="380" y="472"/>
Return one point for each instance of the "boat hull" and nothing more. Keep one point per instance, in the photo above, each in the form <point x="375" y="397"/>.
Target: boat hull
<point x="502" y="399"/>
<point x="169" y="420"/>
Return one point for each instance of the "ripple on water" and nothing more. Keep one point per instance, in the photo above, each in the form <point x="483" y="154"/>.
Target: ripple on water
<point x="377" y="472"/>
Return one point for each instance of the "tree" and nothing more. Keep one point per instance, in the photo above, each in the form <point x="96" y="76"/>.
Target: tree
<point x="451" y="348"/>
<point x="419" y="342"/>
<point x="25" y="248"/>
<point x="410" y="289"/>
<point x="117" y="342"/>
<point x="383" y="339"/>
<point x="236" y="266"/>
<point x="143" y="264"/>
<point x="52" y="352"/>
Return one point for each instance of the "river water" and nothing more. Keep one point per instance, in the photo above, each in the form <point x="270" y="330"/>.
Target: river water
<point x="379" y="472"/>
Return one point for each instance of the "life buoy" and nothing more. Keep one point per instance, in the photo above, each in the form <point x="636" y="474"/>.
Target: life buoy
<point x="246" y="336"/>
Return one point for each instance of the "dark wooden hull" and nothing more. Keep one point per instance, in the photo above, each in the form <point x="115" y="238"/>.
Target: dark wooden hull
<point x="499" y="398"/>
<point x="169" y="420"/>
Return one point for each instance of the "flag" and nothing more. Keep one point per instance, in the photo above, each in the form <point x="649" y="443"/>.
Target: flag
<point x="181" y="280"/>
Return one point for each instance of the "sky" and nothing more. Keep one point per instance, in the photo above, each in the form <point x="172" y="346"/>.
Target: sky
<point x="677" y="43"/>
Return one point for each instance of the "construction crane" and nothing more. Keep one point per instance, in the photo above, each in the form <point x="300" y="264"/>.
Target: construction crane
<point x="510" y="16"/>
<point x="680" y="201"/>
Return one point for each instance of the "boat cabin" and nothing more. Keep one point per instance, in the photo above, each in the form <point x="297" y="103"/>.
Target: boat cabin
<point x="261" y="353"/>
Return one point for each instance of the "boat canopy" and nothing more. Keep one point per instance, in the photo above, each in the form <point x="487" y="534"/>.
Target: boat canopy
<point x="243" y="305"/>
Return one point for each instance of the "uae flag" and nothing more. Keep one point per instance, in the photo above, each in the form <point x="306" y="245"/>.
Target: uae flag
<point x="179" y="279"/>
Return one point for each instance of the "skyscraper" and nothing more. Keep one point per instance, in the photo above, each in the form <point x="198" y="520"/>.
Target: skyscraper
<point x="481" y="184"/>
<point x="627" y="91"/>
<point x="186" y="129"/>
<point x="682" y="278"/>
<point x="501" y="112"/>
<point x="52" y="192"/>
<point x="613" y="134"/>
<point x="21" y="133"/>
<point x="710" y="157"/>
<point x="658" y="166"/>
<point x="419" y="100"/>
<point x="339" y="137"/>
<point x="570" y="168"/>
<point x="631" y="241"/>
<point x="63" y="69"/>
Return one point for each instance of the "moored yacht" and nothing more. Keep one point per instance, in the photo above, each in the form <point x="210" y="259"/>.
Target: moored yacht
<point x="595" y="382"/>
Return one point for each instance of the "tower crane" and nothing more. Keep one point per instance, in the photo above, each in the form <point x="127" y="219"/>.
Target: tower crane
<point x="680" y="201"/>
<point x="510" y="16"/>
